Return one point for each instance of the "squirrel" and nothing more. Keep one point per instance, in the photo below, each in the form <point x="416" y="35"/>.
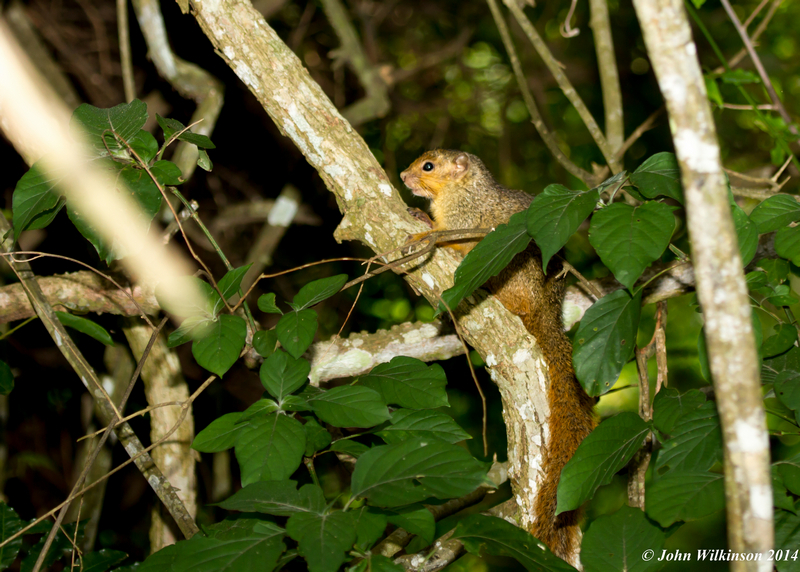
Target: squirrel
<point x="464" y="195"/>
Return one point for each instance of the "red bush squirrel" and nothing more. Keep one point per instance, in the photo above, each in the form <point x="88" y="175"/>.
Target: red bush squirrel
<point x="464" y="195"/>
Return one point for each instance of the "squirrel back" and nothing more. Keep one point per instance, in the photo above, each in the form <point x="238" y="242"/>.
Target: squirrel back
<point x="464" y="195"/>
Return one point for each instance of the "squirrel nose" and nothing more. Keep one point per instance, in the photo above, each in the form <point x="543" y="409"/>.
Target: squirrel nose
<point x="403" y="176"/>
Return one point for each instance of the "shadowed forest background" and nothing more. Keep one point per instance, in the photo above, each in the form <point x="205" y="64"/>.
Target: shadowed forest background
<point x="449" y="85"/>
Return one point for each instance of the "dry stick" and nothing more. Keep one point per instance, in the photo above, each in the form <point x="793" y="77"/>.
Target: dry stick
<point x="748" y="44"/>
<point x="734" y="61"/>
<point x="125" y="50"/>
<point x="565" y="85"/>
<point x="93" y="456"/>
<point x="536" y="118"/>
<point x="600" y="23"/>
<point x="141" y="453"/>
<point x="37" y="254"/>
<point x="375" y="102"/>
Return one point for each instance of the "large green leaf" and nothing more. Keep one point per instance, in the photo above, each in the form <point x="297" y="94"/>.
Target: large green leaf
<point x="144" y="145"/>
<point x="555" y="214"/>
<point x="282" y="375"/>
<point x="219" y="435"/>
<point x="232" y="546"/>
<point x="221" y="343"/>
<point x="619" y="541"/>
<point x="789" y="361"/>
<point x="409" y="382"/>
<point x="186" y="307"/>
<point x="269" y="448"/>
<point x="495" y="536"/>
<point x="776" y="212"/>
<point x="628" y="239"/>
<point x="747" y="234"/>
<point x="279" y="498"/>
<point x="10" y="524"/>
<point x="415" y="519"/>
<point x="685" y="496"/>
<point x="605" y="340"/>
<point x="317" y="437"/>
<point x="124" y="120"/>
<point x="601" y="454"/>
<point x="696" y="442"/>
<point x="317" y="291"/>
<point x="787" y="538"/>
<point x="350" y="406"/>
<point x="423" y="424"/>
<point x="296" y="331"/>
<point x="86" y="326"/>
<point x="487" y="259"/>
<point x="659" y="176"/>
<point x="784" y="338"/>
<point x="167" y="173"/>
<point x="670" y="405"/>
<point x="102" y="560"/>
<point x="229" y="284"/>
<point x="323" y="538"/>
<point x="787" y="244"/>
<point x="35" y="202"/>
<point x="787" y="388"/>
<point x="413" y="470"/>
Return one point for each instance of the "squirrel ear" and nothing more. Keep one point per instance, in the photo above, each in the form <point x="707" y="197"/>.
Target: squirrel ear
<point x="462" y="164"/>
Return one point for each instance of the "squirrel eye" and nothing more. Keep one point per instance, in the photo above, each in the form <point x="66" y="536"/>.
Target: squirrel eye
<point x="427" y="166"/>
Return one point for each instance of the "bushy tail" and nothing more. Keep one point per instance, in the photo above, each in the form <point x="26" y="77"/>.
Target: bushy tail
<point x="571" y="419"/>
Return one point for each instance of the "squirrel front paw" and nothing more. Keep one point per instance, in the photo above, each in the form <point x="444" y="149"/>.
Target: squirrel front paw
<point x="421" y="216"/>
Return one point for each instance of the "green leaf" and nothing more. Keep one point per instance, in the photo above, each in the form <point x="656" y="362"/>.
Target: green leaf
<point x="192" y="328"/>
<point x="203" y="160"/>
<point x="555" y="215"/>
<point x="790" y="361"/>
<point x="296" y="331"/>
<point x="787" y="537"/>
<point x="659" y="176"/>
<point x="315" y="292"/>
<point x="125" y="120"/>
<point x="350" y="406"/>
<point x="413" y="470"/>
<point x="601" y="454"/>
<point x="370" y="526"/>
<point x="221" y="344"/>
<point x="696" y="442"/>
<point x="784" y="338"/>
<point x="747" y="234"/>
<point x="407" y="424"/>
<point x="350" y="447"/>
<point x="739" y="77"/>
<point x="230" y="283"/>
<point x="605" y="340"/>
<point x="787" y="388"/>
<point x="376" y="563"/>
<point x="777" y="270"/>
<point x="282" y="374"/>
<point x="167" y="173"/>
<point x="266" y="303"/>
<point x="685" y="496"/>
<point x="495" y="536"/>
<point x="85" y="326"/>
<point x="265" y="341"/>
<point x="317" y="437"/>
<point x="232" y="546"/>
<point x="258" y="409"/>
<point x="487" y="259"/>
<point x="712" y="89"/>
<point x="628" y="239"/>
<point x="6" y="380"/>
<point x="10" y="524"/>
<point x="775" y="212"/>
<point x="669" y="406"/>
<point x="279" y="498"/>
<point x="269" y="448"/>
<point x="102" y="560"/>
<point x="323" y="538"/>
<point x="698" y="3"/>
<point x="617" y="542"/>
<point x="35" y="202"/>
<point x="409" y="382"/>
<point x="144" y="145"/>
<point x="414" y="518"/>
<point x="787" y="244"/>
<point x="219" y="435"/>
<point x="173" y="126"/>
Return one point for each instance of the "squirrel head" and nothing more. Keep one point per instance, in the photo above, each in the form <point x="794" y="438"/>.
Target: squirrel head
<point x="437" y="171"/>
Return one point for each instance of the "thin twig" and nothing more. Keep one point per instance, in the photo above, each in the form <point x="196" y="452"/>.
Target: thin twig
<point x="600" y="23"/>
<point x="125" y="50"/>
<point x="734" y="61"/>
